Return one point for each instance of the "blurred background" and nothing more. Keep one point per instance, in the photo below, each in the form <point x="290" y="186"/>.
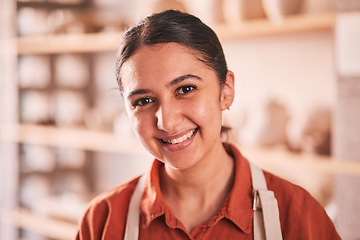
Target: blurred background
<point x="64" y="136"/>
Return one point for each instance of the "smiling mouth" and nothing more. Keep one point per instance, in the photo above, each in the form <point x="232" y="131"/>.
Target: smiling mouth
<point x="179" y="139"/>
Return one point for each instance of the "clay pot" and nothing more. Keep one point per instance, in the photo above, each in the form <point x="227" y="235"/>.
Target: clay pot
<point x="162" y="5"/>
<point x="276" y="9"/>
<point x="250" y="9"/>
<point x="238" y="10"/>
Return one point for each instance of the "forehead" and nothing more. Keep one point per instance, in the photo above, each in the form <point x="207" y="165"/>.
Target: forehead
<point x="159" y="62"/>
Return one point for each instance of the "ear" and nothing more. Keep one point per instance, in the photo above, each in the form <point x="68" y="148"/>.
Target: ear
<point x="228" y="91"/>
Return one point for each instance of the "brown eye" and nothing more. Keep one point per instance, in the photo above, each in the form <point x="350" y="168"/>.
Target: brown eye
<point x="185" y="89"/>
<point x="142" y="102"/>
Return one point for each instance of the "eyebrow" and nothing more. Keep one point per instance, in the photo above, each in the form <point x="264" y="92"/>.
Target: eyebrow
<point x="182" y="78"/>
<point x="138" y="92"/>
<point x="172" y="83"/>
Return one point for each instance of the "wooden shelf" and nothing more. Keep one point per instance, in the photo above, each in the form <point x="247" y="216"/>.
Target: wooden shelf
<point x="74" y="138"/>
<point x="52" y="4"/>
<point x="69" y="43"/>
<point x="289" y="25"/>
<point x="273" y="159"/>
<point x="25" y="219"/>
<point x="107" y="142"/>
<point x="100" y="42"/>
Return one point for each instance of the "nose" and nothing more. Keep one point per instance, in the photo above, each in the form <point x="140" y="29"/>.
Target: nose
<point x="168" y="118"/>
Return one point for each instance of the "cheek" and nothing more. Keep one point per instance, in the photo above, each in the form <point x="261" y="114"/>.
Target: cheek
<point x="207" y="112"/>
<point x="137" y="124"/>
<point x="135" y="120"/>
<point x="141" y="125"/>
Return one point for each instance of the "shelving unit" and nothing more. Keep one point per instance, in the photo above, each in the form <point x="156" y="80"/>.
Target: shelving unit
<point x="42" y="171"/>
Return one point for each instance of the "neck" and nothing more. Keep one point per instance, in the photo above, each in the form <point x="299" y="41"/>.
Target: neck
<point x="200" y="190"/>
<point x="216" y="169"/>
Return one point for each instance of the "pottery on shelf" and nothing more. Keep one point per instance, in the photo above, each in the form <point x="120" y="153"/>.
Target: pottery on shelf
<point x="276" y="9"/>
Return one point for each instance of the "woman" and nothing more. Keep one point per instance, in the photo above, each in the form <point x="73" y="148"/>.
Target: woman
<point x="173" y="76"/>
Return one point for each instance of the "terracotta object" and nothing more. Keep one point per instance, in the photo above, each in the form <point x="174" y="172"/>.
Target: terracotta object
<point x="276" y="9"/>
<point x="250" y="9"/>
<point x="162" y="5"/>
<point x="237" y="10"/>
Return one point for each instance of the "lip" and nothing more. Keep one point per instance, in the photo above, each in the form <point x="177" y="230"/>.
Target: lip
<point x="177" y="146"/>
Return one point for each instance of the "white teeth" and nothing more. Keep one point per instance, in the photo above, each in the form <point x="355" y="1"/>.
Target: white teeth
<point x="180" y="139"/>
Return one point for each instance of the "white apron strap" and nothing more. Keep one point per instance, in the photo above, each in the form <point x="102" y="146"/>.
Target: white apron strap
<point x="133" y="217"/>
<point x="266" y="212"/>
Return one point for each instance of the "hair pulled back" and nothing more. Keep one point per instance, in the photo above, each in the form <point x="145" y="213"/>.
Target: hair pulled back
<point x="174" y="26"/>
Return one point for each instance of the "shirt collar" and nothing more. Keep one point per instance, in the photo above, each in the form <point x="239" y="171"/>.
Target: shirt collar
<point x="152" y="203"/>
<point x="237" y="207"/>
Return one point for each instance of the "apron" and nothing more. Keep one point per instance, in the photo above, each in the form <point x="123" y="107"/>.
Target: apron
<point x="266" y="219"/>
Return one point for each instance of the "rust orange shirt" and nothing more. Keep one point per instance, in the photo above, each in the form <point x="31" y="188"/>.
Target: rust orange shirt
<point x="301" y="216"/>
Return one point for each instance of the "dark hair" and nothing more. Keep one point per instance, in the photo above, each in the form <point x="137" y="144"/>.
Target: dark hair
<point x="174" y="26"/>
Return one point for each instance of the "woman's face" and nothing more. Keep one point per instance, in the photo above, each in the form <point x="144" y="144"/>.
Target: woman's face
<point x="175" y="103"/>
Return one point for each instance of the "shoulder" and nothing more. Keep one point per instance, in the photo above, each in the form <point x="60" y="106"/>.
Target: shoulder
<point x="117" y="194"/>
<point x="285" y="191"/>
<point x="107" y="211"/>
<point x="301" y="215"/>
<point x="115" y="200"/>
<point x="291" y="196"/>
